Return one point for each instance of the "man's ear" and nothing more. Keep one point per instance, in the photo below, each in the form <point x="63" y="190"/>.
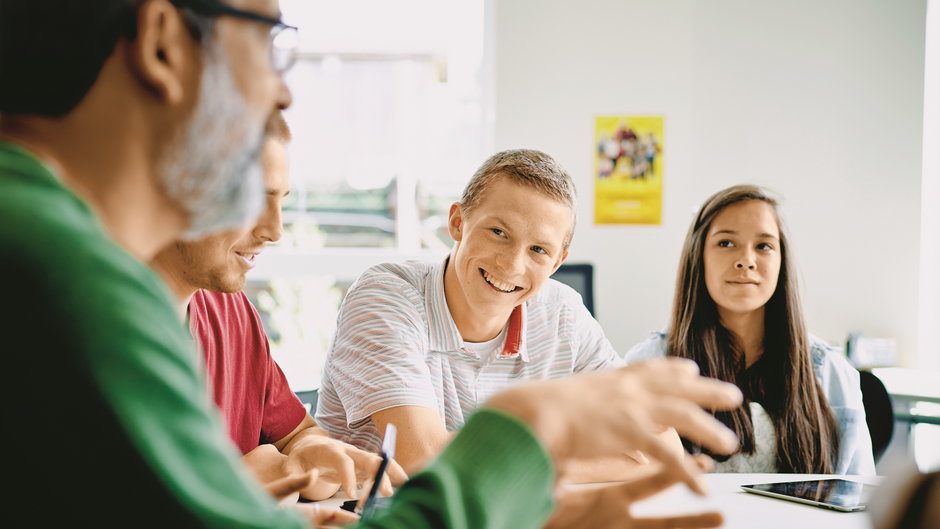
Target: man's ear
<point x="163" y="53"/>
<point x="455" y="221"/>
<point x="564" y="257"/>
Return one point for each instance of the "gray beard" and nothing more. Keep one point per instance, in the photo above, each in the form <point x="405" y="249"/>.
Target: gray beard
<point x="215" y="173"/>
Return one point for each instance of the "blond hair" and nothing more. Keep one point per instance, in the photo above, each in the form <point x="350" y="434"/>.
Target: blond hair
<point x="527" y="167"/>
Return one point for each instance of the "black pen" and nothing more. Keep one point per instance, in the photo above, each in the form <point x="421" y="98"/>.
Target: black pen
<point x="370" y="499"/>
<point x="388" y="452"/>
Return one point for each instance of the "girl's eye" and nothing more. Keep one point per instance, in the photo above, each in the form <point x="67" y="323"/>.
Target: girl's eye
<point x="725" y="244"/>
<point x="499" y="232"/>
<point x="765" y="246"/>
<point x="540" y="250"/>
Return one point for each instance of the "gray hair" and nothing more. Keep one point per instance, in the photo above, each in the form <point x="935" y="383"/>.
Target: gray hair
<point x="526" y="167"/>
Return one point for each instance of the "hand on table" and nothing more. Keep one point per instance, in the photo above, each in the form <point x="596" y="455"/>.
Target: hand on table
<point x="339" y="464"/>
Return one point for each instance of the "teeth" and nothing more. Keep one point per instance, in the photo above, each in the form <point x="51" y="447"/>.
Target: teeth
<point x="505" y="287"/>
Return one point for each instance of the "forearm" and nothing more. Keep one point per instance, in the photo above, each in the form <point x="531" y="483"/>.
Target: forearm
<point x="413" y="456"/>
<point x="421" y="434"/>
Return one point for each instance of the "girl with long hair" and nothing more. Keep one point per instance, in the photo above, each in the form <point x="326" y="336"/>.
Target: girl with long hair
<point x="737" y="313"/>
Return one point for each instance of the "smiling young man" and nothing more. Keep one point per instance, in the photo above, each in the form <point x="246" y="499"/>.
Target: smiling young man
<point x="422" y="345"/>
<point x="271" y="427"/>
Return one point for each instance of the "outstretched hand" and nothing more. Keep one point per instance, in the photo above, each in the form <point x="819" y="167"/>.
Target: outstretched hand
<point x="603" y="414"/>
<point x="609" y="505"/>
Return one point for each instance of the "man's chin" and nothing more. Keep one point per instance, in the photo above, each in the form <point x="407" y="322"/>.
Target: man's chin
<point x="229" y="287"/>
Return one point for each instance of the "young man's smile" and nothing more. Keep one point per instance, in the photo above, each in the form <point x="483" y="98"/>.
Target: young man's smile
<point x="497" y="284"/>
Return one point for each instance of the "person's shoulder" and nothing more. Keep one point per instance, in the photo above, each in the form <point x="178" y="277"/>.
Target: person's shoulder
<point x="63" y="236"/>
<point x="77" y="257"/>
<point x="826" y="355"/>
<point x="107" y="296"/>
<point x="391" y="288"/>
<point x="555" y="295"/>
<point x="836" y="375"/>
<point x="655" y="346"/>
<point x="413" y="273"/>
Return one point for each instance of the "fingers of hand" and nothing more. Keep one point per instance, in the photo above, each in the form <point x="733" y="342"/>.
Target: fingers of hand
<point x="695" y="424"/>
<point x="364" y="493"/>
<point x="385" y="487"/>
<point x="674" y="465"/>
<point x="637" y="456"/>
<point x="609" y="506"/>
<point x="347" y="475"/>
<point x="706" y="392"/>
<point x="636" y="490"/>
<point x="286" y="486"/>
<point x="396" y="473"/>
<point x="703" y="462"/>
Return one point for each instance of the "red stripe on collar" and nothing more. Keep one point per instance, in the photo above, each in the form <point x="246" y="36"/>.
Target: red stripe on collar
<point x="513" y="334"/>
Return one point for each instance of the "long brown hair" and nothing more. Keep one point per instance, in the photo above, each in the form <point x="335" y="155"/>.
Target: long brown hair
<point x="782" y="380"/>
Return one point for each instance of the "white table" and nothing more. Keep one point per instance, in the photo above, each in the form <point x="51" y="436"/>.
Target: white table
<point x="745" y="510"/>
<point x="742" y="510"/>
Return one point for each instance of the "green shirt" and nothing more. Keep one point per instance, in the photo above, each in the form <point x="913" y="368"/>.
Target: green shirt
<point x="110" y="403"/>
<point x="109" y="424"/>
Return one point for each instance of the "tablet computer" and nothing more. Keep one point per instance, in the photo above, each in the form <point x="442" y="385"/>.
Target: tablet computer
<point x="836" y="494"/>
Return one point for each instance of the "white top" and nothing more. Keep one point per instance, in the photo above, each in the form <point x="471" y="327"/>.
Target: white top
<point x="396" y="344"/>
<point x="764" y="457"/>
<point x="489" y="348"/>
<point x="840" y="384"/>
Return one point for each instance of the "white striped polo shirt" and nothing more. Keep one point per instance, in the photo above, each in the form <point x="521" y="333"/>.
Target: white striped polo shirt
<point x="396" y="344"/>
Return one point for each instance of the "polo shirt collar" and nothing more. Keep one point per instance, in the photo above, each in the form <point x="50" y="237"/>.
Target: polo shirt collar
<point x="444" y="335"/>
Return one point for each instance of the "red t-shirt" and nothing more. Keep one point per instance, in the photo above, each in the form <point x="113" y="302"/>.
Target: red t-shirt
<point x="247" y="385"/>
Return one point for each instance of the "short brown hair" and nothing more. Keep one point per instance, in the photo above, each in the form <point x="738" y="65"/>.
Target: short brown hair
<point x="527" y="167"/>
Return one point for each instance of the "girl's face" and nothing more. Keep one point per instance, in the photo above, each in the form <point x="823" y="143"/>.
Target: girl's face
<point x="742" y="257"/>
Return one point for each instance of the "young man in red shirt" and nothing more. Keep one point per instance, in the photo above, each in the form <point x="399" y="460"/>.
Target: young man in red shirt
<point x="272" y="428"/>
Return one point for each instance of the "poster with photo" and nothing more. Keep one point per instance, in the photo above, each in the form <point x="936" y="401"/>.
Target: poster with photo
<point x="628" y="169"/>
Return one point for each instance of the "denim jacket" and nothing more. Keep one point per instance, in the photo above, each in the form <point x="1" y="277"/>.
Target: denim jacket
<point x="839" y="382"/>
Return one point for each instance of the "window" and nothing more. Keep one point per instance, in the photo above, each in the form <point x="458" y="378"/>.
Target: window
<point x="389" y="121"/>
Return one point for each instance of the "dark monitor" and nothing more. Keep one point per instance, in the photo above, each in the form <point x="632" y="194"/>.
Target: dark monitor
<point x="579" y="276"/>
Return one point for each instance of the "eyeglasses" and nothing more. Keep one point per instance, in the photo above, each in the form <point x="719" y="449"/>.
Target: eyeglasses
<point x="284" y="38"/>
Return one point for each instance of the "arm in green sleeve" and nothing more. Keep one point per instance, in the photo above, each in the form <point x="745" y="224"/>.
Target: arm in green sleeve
<point x="494" y="475"/>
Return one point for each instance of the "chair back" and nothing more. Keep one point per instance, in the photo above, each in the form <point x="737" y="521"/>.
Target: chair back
<point x="309" y="398"/>
<point x="879" y="412"/>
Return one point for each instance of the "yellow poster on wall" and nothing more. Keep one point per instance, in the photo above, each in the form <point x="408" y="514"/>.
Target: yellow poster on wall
<point x="628" y="169"/>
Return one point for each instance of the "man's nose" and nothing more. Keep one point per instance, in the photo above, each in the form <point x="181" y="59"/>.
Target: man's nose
<point x="269" y="227"/>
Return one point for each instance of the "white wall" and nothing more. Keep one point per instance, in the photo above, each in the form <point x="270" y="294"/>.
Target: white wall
<point x="820" y="100"/>
<point x="929" y="344"/>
